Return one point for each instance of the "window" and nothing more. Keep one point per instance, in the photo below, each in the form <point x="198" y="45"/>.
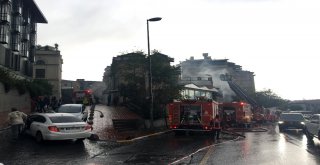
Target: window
<point x="40" y="119"/>
<point x="16" y="59"/>
<point x="26" y="17"/>
<point x="64" y="119"/>
<point x="15" y="42"/>
<point x="16" y="24"/>
<point x="33" y="27"/>
<point x="33" y="39"/>
<point x="40" y="62"/>
<point x="4" y="34"/>
<point x="32" y="52"/>
<point x="17" y="7"/>
<point x="25" y="49"/>
<point x="5" y="12"/>
<point x="40" y="73"/>
<point x="25" y="33"/>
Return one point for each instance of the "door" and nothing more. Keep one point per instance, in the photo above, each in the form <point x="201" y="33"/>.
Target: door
<point x="37" y="123"/>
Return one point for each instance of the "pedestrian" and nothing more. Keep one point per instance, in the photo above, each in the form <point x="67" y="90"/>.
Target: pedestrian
<point x="54" y="103"/>
<point x="85" y="101"/>
<point x="41" y="104"/>
<point x="16" y="120"/>
<point x="216" y="127"/>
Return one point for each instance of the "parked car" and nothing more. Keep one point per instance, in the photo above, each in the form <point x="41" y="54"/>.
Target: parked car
<point x="291" y="120"/>
<point x="312" y="128"/>
<point x="56" y="126"/>
<point x="77" y="110"/>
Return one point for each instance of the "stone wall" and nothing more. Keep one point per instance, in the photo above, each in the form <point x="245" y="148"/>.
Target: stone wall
<point x="12" y="99"/>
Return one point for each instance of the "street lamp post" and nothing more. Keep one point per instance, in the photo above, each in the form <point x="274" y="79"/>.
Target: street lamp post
<point x="150" y="70"/>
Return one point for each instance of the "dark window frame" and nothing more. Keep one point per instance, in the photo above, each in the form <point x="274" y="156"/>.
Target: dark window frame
<point x="40" y="73"/>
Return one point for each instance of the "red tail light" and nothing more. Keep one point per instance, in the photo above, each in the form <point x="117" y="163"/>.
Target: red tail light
<point x="88" y="127"/>
<point x="53" y="129"/>
<point x="175" y="127"/>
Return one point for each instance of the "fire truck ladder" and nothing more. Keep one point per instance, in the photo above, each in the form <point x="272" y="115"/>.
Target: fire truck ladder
<point x="242" y="94"/>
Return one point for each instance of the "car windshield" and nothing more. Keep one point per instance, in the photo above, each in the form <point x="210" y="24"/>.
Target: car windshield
<point x="297" y="117"/>
<point x="69" y="109"/>
<point x="64" y="119"/>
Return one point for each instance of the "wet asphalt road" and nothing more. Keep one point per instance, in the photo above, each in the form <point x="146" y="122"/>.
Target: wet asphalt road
<point x="269" y="147"/>
<point x="287" y="148"/>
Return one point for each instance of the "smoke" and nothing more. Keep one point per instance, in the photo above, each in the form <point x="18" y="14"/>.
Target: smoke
<point x="208" y="71"/>
<point x="97" y="89"/>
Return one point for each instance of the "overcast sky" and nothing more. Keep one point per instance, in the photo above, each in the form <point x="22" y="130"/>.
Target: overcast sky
<point x="278" y="40"/>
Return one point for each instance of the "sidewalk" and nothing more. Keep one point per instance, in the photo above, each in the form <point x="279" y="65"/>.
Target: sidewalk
<point x="103" y="127"/>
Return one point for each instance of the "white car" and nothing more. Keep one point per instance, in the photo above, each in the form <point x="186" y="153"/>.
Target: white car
<point x="312" y="128"/>
<point x="77" y="110"/>
<point x="57" y="126"/>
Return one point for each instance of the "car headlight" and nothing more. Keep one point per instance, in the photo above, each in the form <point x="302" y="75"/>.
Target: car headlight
<point x="280" y="122"/>
<point x="302" y="123"/>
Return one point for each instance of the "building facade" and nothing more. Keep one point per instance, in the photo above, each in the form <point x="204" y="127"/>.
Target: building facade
<point x="18" y="34"/>
<point x="48" y="65"/>
<point x="18" y="39"/>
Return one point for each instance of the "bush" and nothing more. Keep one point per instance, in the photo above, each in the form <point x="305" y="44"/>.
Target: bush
<point x="34" y="87"/>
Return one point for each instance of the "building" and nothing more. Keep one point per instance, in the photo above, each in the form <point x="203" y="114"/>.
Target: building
<point x="48" y="65"/>
<point x="18" y="36"/>
<point x="203" y="71"/>
<point x="132" y="69"/>
<point x="122" y="67"/>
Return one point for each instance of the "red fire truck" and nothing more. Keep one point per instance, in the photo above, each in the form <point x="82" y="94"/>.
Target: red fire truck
<point x="191" y="115"/>
<point x="79" y="95"/>
<point x="236" y="114"/>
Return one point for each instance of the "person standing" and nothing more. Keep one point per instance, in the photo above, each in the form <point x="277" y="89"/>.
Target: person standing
<point x="216" y="127"/>
<point x="85" y="101"/>
<point x="16" y="120"/>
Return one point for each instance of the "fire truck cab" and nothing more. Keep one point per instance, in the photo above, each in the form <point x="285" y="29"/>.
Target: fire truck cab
<point x="236" y="114"/>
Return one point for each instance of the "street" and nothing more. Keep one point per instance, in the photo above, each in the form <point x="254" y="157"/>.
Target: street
<point x="269" y="147"/>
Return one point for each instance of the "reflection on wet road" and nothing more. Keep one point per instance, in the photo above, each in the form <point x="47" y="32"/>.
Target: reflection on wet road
<point x="272" y="147"/>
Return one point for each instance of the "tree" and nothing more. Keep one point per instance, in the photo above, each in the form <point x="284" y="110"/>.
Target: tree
<point x="267" y="98"/>
<point x="165" y="82"/>
<point x="131" y="74"/>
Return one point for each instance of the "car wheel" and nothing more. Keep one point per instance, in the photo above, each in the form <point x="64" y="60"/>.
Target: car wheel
<point x="39" y="137"/>
<point x="308" y="134"/>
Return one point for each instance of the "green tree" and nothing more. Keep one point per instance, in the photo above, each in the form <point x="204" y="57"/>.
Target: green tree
<point x="267" y="98"/>
<point x="165" y="82"/>
<point x="132" y="73"/>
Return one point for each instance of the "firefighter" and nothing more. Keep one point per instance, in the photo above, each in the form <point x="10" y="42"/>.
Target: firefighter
<point x="216" y="127"/>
